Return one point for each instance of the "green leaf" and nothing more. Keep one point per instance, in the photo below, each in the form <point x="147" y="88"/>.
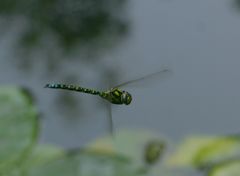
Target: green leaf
<point x="18" y="126"/>
<point x="217" y="151"/>
<point x="41" y="154"/>
<point x="228" y="169"/>
<point x="130" y="143"/>
<point x="80" y="163"/>
<point x="206" y="151"/>
<point x="187" y="150"/>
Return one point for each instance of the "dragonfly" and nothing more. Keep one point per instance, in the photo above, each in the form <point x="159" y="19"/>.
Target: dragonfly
<point x="114" y="95"/>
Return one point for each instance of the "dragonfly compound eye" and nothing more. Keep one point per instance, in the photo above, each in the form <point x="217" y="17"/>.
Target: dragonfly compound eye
<point x="126" y="98"/>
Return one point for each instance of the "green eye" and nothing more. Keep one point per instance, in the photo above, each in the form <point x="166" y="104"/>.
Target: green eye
<point x="128" y="99"/>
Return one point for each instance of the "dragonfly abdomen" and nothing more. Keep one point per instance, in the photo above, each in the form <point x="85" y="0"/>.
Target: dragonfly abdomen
<point x="73" y="88"/>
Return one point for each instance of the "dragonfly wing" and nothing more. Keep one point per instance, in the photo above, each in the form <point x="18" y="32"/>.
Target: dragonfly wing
<point x="110" y="119"/>
<point x="162" y="73"/>
<point x="109" y="116"/>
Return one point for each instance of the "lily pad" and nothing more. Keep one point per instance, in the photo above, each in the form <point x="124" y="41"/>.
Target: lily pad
<point x="104" y="157"/>
<point x="228" y="169"/>
<point x="219" y="150"/>
<point x="18" y="126"/>
<point x="206" y="151"/>
<point x="40" y="155"/>
<point x="44" y="154"/>
<point x="131" y="143"/>
<point x="82" y="163"/>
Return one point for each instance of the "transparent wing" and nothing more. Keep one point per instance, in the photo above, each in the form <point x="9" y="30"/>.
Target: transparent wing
<point x="160" y="74"/>
<point x="110" y="119"/>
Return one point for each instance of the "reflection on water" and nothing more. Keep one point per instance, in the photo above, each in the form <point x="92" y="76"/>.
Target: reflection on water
<point x="236" y="4"/>
<point x="58" y="28"/>
<point x="55" y="32"/>
<point x="57" y="40"/>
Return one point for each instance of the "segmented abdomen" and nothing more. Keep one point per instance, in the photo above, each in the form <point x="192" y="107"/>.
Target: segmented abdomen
<point x="73" y="88"/>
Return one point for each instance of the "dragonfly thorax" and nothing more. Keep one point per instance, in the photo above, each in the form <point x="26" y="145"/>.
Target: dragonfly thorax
<point x="117" y="96"/>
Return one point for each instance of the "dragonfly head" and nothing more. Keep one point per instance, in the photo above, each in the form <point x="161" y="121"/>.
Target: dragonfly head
<point x="126" y="97"/>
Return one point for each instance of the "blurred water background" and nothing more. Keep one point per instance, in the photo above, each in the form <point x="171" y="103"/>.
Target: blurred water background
<point x="102" y="43"/>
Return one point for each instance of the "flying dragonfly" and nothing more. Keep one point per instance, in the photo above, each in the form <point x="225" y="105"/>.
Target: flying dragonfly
<point x="114" y="95"/>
